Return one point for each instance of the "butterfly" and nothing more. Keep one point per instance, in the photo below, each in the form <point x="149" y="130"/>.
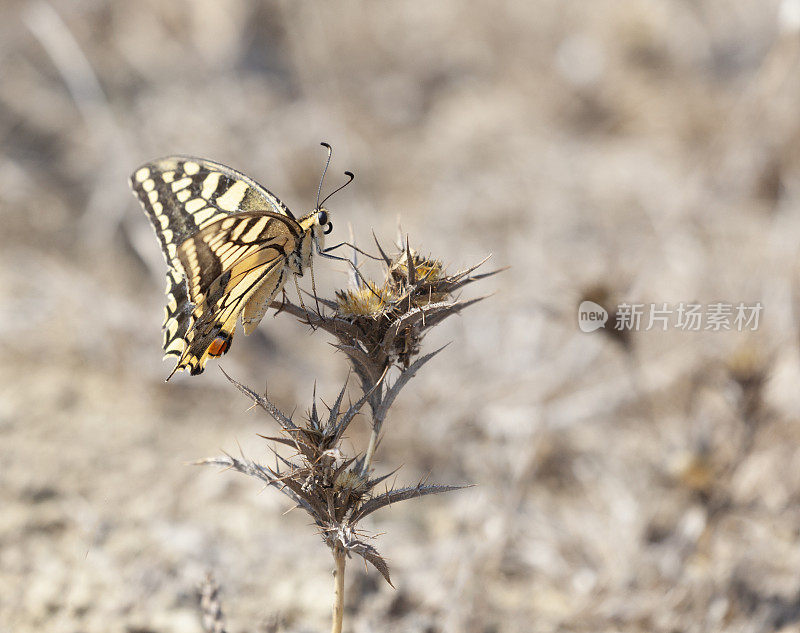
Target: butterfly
<point x="231" y="246"/>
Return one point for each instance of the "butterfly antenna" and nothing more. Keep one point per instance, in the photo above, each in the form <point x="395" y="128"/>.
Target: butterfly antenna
<point x="350" y="177"/>
<point x="324" y="171"/>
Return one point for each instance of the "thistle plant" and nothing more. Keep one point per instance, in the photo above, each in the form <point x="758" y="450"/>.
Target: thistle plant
<point x="379" y="326"/>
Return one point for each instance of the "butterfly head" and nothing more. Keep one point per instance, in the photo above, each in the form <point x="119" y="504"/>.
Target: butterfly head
<point x="317" y="224"/>
<point x="323" y="222"/>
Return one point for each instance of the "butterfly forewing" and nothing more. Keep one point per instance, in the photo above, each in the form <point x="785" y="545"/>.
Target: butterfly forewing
<point x="182" y="195"/>
<point x="226" y="240"/>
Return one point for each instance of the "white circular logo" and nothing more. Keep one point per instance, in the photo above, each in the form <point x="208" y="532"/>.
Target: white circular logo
<point x="591" y="316"/>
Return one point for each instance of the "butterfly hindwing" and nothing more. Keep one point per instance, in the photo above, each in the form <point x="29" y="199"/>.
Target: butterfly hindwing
<point x="256" y="307"/>
<point x="177" y="314"/>
<point x="229" y="266"/>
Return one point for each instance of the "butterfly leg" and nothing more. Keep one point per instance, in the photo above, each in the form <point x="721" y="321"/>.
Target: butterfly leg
<point x="283" y="303"/>
<point x="353" y="246"/>
<point x="303" y="305"/>
<point x="314" y="289"/>
<point x="324" y="253"/>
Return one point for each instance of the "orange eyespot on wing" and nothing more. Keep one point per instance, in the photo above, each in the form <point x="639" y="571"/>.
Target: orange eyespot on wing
<point x="220" y="345"/>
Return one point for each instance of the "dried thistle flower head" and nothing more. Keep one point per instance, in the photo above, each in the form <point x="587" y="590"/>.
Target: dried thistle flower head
<point x="352" y="480"/>
<point x="366" y="300"/>
<point x="391" y="317"/>
<point x="422" y="282"/>
<point x="425" y="268"/>
<point x="380" y="324"/>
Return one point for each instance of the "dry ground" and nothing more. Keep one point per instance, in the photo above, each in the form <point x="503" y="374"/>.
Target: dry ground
<point x="630" y="150"/>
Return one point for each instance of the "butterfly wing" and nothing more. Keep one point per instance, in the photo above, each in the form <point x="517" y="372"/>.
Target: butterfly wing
<point x="227" y="264"/>
<point x="183" y="196"/>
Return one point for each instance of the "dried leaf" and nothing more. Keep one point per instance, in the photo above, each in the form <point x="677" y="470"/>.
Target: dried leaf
<point x="353" y="410"/>
<point x="264" y="403"/>
<point x="374" y="482"/>
<point x="402" y="380"/>
<point x="401" y="494"/>
<point x="370" y="554"/>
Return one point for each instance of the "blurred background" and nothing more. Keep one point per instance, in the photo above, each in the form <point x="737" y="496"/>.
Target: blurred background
<point x="614" y="150"/>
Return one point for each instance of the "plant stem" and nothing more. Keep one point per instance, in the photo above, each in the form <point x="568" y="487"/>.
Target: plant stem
<point x="373" y="442"/>
<point x="338" y="589"/>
